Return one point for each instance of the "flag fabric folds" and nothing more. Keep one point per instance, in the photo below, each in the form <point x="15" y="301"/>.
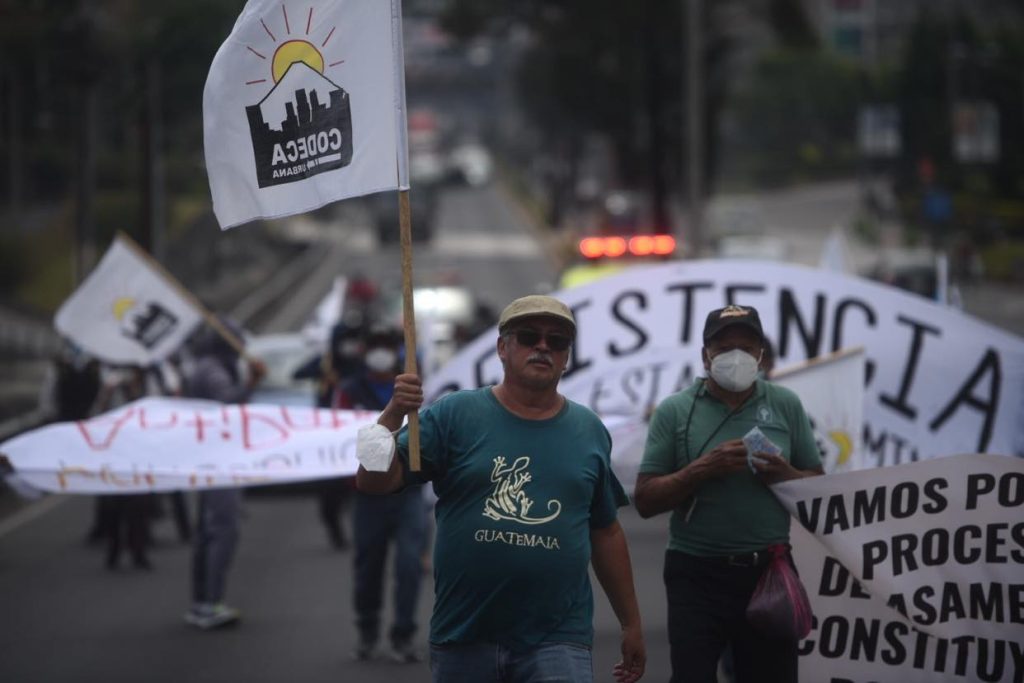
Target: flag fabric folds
<point x="304" y="105"/>
<point x="126" y="312"/>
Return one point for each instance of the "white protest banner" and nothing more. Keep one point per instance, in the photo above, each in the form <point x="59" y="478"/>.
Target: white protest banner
<point x="937" y="380"/>
<point x="164" y="444"/>
<point x="831" y="389"/>
<point x="914" y="572"/>
<point x="305" y="105"/>
<point x="126" y="311"/>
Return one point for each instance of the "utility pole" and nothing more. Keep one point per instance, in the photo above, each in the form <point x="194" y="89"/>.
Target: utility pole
<point x="15" y="159"/>
<point x="694" y="155"/>
<point x="151" y="129"/>
<point x="82" y="36"/>
<point x="85" y="227"/>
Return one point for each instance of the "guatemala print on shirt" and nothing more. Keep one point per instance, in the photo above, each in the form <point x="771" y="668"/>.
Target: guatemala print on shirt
<point x="509" y="501"/>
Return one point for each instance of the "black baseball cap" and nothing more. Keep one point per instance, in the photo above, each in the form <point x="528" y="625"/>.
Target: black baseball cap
<point x="721" y="318"/>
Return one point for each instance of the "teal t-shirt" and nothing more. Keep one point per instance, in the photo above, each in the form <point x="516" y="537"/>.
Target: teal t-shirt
<point x="517" y="499"/>
<point x="736" y="513"/>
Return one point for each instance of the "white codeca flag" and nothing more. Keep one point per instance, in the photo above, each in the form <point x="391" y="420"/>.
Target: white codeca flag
<point x="304" y="105"/>
<point x="127" y="312"/>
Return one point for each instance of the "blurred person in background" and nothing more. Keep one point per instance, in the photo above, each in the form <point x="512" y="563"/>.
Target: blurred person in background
<point x="380" y="522"/>
<point x="361" y="292"/>
<point x="165" y="379"/>
<point x="342" y="357"/>
<point x="344" y="360"/>
<point x="216" y="375"/>
<point x="69" y="393"/>
<point x="126" y="517"/>
<point x="75" y="385"/>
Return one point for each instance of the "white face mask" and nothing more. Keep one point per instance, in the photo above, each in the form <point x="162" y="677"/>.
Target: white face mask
<point x="734" y="370"/>
<point x="381" y="360"/>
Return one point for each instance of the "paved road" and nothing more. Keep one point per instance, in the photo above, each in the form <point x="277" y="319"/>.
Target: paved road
<point x="66" y="618"/>
<point x="482" y="241"/>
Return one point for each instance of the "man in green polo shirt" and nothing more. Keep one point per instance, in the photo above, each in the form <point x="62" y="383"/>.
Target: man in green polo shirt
<point x="724" y="517"/>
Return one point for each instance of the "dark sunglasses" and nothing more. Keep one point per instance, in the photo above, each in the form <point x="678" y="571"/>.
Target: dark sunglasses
<point x="554" y="340"/>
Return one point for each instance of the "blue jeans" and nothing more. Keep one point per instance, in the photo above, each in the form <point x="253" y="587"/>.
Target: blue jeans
<point x="215" y="542"/>
<point x="378" y="522"/>
<point x="493" y="663"/>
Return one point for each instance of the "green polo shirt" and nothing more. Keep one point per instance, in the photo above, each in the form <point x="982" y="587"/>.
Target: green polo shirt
<point x="735" y="513"/>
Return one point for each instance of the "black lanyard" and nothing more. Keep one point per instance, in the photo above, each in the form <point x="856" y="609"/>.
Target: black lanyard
<point x="689" y="419"/>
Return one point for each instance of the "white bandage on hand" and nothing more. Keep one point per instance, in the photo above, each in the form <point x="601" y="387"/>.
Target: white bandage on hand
<point x="375" y="447"/>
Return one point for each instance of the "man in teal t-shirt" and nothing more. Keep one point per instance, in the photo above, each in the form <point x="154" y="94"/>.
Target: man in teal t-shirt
<point x="724" y="517"/>
<point x="527" y="501"/>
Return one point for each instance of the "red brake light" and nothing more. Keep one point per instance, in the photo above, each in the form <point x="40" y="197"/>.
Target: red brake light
<point x="641" y="245"/>
<point x="614" y="246"/>
<point x="638" y="245"/>
<point x="592" y="247"/>
<point x="664" y="244"/>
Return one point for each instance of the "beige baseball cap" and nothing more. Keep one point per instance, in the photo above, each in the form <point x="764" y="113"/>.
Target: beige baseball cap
<point x="536" y="304"/>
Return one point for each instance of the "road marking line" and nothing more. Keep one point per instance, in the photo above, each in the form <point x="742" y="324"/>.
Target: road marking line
<point x="26" y="515"/>
<point x="486" y="244"/>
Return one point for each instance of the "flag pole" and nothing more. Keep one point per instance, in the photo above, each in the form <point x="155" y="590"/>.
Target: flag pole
<point x="405" y="223"/>
<point x="409" y="319"/>
<point x="210" y="319"/>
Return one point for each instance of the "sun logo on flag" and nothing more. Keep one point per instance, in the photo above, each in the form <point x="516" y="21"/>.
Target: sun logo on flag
<point x="122" y="305"/>
<point x="303" y="126"/>
<point x="292" y="50"/>
<point x="845" y="444"/>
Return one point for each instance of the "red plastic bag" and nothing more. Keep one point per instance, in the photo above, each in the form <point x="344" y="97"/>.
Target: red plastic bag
<point x="779" y="606"/>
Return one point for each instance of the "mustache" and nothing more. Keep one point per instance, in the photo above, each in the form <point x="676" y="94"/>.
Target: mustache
<point x="540" y="357"/>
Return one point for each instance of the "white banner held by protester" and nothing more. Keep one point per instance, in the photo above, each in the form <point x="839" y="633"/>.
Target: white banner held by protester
<point x="937" y="381"/>
<point x="915" y="573"/>
<point x="304" y="105"/>
<point x="832" y="390"/>
<point x="166" y="444"/>
<point x="126" y="312"/>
